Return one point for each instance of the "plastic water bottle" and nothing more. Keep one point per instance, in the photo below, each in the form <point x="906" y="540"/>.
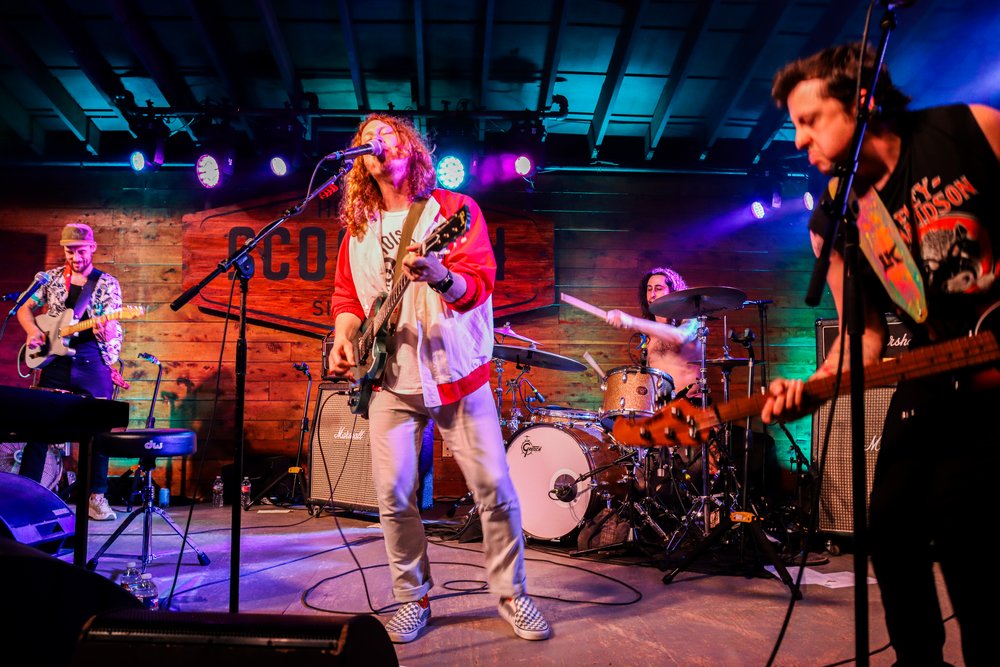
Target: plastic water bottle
<point x="147" y="592"/>
<point x="130" y="577"/>
<point x="245" y="493"/>
<point x="217" y="492"/>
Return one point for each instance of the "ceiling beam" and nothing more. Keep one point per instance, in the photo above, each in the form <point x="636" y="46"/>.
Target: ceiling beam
<point x="742" y="64"/>
<point x="282" y="57"/>
<point x="210" y="29"/>
<point x="71" y="114"/>
<point x="420" y="56"/>
<point x="153" y="56"/>
<point x="553" y="49"/>
<point x="828" y="29"/>
<point x="20" y="121"/>
<point x="485" y="58"/>
<point x="353" y="55"/>
<point x="620" y="56"/>
<point x="59" y="15"/>
<point x="679" y="71"/>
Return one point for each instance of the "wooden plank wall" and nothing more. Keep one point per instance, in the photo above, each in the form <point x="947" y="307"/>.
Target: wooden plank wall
<point x="609" y="229"/>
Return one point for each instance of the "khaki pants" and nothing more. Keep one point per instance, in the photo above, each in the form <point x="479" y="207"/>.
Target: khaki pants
<point x="471" y="429"/>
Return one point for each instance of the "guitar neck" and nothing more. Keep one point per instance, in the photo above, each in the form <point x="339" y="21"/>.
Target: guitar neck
<point x="935" y="359"/>
<point x="88" y="324"/>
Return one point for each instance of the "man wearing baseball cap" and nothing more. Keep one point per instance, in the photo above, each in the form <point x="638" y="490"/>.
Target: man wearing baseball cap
<point x="92" y="370"/>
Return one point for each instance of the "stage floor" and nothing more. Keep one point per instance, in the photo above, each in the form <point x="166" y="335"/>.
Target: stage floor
<point x="606" y="610"/>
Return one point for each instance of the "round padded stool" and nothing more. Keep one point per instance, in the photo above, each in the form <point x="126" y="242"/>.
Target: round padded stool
<point x="147" y="445"/>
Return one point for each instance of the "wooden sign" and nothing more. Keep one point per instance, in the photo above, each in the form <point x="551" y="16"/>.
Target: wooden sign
<point x="294" y="267"/>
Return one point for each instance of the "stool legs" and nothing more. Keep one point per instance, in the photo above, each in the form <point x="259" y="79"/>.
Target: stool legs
<point x="147" y="511"/>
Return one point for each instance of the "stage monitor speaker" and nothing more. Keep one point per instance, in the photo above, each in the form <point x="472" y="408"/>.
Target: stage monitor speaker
<point x="340" y="463"/>
<point x="47" y="601"/>
<point x="168" y="639"/>
<point x="836" y="505"/>
<point x="31" y="514"/>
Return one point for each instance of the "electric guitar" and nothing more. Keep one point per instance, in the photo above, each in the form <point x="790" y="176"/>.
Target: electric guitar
<point x="59" y="328"/>
<point x="681" y="424"/>
<point x="371" y="340"/>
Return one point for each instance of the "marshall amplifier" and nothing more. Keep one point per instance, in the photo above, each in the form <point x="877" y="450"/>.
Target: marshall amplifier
<point x="835" y="504"/>
<point x="340" y="462"/>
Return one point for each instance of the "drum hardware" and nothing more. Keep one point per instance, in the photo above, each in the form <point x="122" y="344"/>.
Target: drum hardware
<point x="734" y="494"/>
<point x="506" y="332"/>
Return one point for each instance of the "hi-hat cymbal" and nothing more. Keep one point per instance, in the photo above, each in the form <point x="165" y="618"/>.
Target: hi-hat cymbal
<point x="529" y="356"/>
<point x="696" y="301"/>
<point x="728" y="363"/>
<point x="507" y="332"/>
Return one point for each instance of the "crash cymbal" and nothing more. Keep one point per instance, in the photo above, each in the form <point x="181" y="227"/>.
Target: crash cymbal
<point x="727" y="363"/>
<point x="507" y="332"/>
<point x="696" y="301"/>
<point x="529" y="356"/>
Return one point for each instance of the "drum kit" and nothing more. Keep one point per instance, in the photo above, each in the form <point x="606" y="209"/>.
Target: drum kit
<point x="567" y="466"/>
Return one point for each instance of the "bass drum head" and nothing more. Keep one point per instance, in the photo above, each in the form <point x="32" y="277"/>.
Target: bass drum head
<point x="545" y="457"/>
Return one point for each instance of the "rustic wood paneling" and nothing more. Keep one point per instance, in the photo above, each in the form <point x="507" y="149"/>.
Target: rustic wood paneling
<point x="607" y="230"/>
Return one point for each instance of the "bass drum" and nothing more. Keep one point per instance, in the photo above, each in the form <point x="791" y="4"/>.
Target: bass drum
<point x="553" y="469"/>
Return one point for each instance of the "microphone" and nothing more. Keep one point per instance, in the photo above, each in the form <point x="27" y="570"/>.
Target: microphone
<point x="374" y="147"/>
<point x="538" y="397"/>
<point x="643" y="341"/>
<point x="563" y="492"/>
<point x="150" y="358"/>
<point x="41" y="278"/>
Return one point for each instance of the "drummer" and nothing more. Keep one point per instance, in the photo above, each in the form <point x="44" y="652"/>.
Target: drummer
<point x="671" y="344"/>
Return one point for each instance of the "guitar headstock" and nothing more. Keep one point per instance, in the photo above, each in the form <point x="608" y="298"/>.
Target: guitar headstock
<point x="677" y="424"/>
<point x="448" y="231"/>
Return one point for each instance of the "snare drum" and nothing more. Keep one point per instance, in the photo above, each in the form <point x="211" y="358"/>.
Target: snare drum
<point x="635" y="391"/>
<point x="552" y="467"/>
<point x="556" y="414"/>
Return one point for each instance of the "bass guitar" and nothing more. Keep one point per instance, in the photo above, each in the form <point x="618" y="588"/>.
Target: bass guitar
<point x="370" y="342"/>
<point x="681" y="424"/>
<point x="59" y="328"/>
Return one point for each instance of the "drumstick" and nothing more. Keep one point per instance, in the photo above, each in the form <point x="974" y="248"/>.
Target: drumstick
<point x="583" y="305"/>
<point x="593" y="364"/>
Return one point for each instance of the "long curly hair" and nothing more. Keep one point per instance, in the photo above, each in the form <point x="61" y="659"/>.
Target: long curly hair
<point x="674" y="283"/>
<point x="837" y="66"/>
<point x="362" y="198"/>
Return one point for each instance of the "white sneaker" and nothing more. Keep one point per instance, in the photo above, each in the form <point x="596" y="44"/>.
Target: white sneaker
<point x="407" y="622"/>
<point x="99" y="509"/>
<point x="524" y="617"/>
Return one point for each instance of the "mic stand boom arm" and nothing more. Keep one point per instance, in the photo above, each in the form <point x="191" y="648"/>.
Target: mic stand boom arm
<point x="243" y="263"/>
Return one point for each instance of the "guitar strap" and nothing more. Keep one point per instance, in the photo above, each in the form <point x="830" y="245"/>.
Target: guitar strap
<point x="83" y="300"/>
<point x="416" y="210"/>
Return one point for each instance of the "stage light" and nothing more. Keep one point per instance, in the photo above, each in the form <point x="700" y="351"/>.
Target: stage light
<point x="523" y="165"/>
<point x="450" y="172"/>
<point x="757" y="209"/>
<point x="808" y="201"/>
<point x="151" y="138"/>
<point x="279" y="166"/>
<point x="212" y="169"/>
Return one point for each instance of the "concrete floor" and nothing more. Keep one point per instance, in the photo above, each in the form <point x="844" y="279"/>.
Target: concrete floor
<point x="603" y="610"/>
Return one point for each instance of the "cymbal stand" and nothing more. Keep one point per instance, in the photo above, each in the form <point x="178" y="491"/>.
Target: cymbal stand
<point x="729" y="519"/>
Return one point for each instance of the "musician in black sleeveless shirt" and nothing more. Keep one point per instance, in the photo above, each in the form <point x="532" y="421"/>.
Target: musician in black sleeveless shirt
<point x="937" y="171"/>
<point x="92" y="369"/>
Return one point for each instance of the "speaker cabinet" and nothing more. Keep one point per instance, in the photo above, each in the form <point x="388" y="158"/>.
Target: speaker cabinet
<point x="161" y="639"/>
<point x="31" y="514"/>
<point x="47" y="601"/>
<point x="836" y="505"/>
<point x="340" y="462"/>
